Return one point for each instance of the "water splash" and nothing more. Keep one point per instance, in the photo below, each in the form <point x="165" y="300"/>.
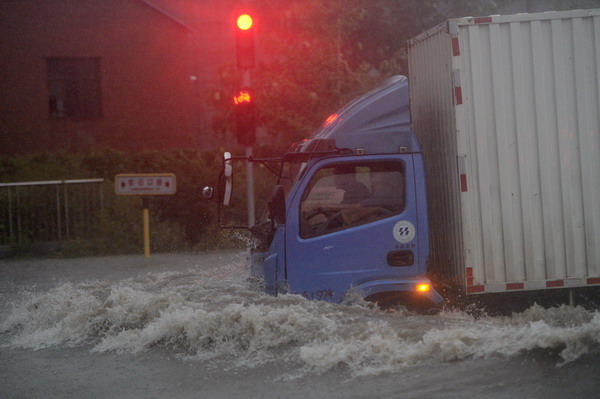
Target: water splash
<point x="214" y="314"/>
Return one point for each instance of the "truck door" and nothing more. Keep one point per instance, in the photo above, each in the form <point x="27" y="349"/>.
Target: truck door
<point x="352" y="221"/>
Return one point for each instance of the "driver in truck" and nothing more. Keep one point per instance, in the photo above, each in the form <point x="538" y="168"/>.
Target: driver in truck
<point x="385" y="194"/>
<point x="345" y="179"/>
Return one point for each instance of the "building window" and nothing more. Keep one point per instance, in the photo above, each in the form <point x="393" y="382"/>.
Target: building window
<point x="74" y="87"/>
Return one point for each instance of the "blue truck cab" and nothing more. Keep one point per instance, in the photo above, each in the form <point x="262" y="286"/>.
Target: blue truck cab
<point x="349" y="213"/>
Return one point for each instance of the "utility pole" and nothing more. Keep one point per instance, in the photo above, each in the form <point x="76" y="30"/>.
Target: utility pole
<point x="244" y="102"/>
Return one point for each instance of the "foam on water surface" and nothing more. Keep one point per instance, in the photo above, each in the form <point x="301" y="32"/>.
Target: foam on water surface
<point x="212" y="313"/>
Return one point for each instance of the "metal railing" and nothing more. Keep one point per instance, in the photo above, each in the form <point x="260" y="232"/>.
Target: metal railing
<point x="47" y="211"/>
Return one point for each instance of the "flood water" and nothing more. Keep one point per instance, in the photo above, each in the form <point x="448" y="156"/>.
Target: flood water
<point x="194" y="326"/>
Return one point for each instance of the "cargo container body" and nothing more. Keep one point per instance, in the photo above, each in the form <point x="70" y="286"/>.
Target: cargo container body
<point x="507" y="111"/>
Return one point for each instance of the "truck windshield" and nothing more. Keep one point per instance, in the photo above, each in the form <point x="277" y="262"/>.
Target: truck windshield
<point x="345" y="195"/>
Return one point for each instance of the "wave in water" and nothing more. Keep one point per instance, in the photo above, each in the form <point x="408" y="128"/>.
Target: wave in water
<point x="216" y="315"/>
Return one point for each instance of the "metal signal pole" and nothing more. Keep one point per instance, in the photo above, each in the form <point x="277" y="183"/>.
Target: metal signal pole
<point x="246" y="119"/>
<point x="249" y="166"/>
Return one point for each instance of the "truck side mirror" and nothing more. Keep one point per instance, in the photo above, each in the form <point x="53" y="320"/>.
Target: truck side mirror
<point x="228" y="178"/>
<point x="225" y="185"/>
<point x="208" y="192"/>
<point x="277" y="205"/>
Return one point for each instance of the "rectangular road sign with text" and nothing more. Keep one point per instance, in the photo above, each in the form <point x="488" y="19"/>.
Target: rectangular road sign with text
<point x="145" y="184"/>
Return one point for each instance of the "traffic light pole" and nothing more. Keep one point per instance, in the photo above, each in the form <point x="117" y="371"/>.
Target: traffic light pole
<point x="250" y="188"/>
<point x="249" y="166"/>
<point x="246" y="127"/>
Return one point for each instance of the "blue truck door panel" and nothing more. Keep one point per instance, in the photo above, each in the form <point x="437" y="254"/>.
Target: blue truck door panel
<point x="270" y="267"/>
<point x="326" y="263"/>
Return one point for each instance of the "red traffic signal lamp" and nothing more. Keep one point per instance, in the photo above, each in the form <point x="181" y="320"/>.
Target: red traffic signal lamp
<point x="244" y="22"/>
<point x="242" y="97"/>
<point x="245" y="117"/>
<point x="244" y="41"/>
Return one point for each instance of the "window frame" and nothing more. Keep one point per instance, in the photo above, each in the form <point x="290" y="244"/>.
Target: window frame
<point x="74" y="87"/>
<point x="373" y="165"/>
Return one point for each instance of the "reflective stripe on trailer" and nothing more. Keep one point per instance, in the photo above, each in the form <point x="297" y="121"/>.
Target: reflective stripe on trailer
<point x="527" y="285"/>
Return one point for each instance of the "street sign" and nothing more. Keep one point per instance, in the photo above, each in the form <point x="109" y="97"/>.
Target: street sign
<point x="145" y="184"/>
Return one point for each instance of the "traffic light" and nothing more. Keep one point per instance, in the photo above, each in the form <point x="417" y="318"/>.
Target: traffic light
<point x="245" y="118"/>
<point x="244" y="41"/>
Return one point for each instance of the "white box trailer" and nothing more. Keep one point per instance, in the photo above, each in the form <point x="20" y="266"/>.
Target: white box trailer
<point x="507" y="109"/>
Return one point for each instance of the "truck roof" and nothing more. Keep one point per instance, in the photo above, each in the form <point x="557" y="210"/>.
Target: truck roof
<point x="375" y="123"/>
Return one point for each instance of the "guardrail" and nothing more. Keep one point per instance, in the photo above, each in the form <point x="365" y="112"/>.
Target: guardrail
<point x="47" y="211"/>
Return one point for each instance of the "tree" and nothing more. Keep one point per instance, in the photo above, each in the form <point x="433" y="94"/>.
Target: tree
<point x="313" y="59"/>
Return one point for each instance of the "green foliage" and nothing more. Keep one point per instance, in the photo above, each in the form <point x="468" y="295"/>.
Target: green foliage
<point x="183" y="221"/>
<point x="118" y="231"/>
<point x="42" y="166"/>
<point x="314" y="58"/>
<point x="106" y="163"/>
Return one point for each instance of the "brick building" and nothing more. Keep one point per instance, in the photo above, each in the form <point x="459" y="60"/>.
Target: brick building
<point x="77" y="75"/>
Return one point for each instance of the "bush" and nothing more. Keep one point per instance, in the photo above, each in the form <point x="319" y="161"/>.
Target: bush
<point x="183" y="221"/>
